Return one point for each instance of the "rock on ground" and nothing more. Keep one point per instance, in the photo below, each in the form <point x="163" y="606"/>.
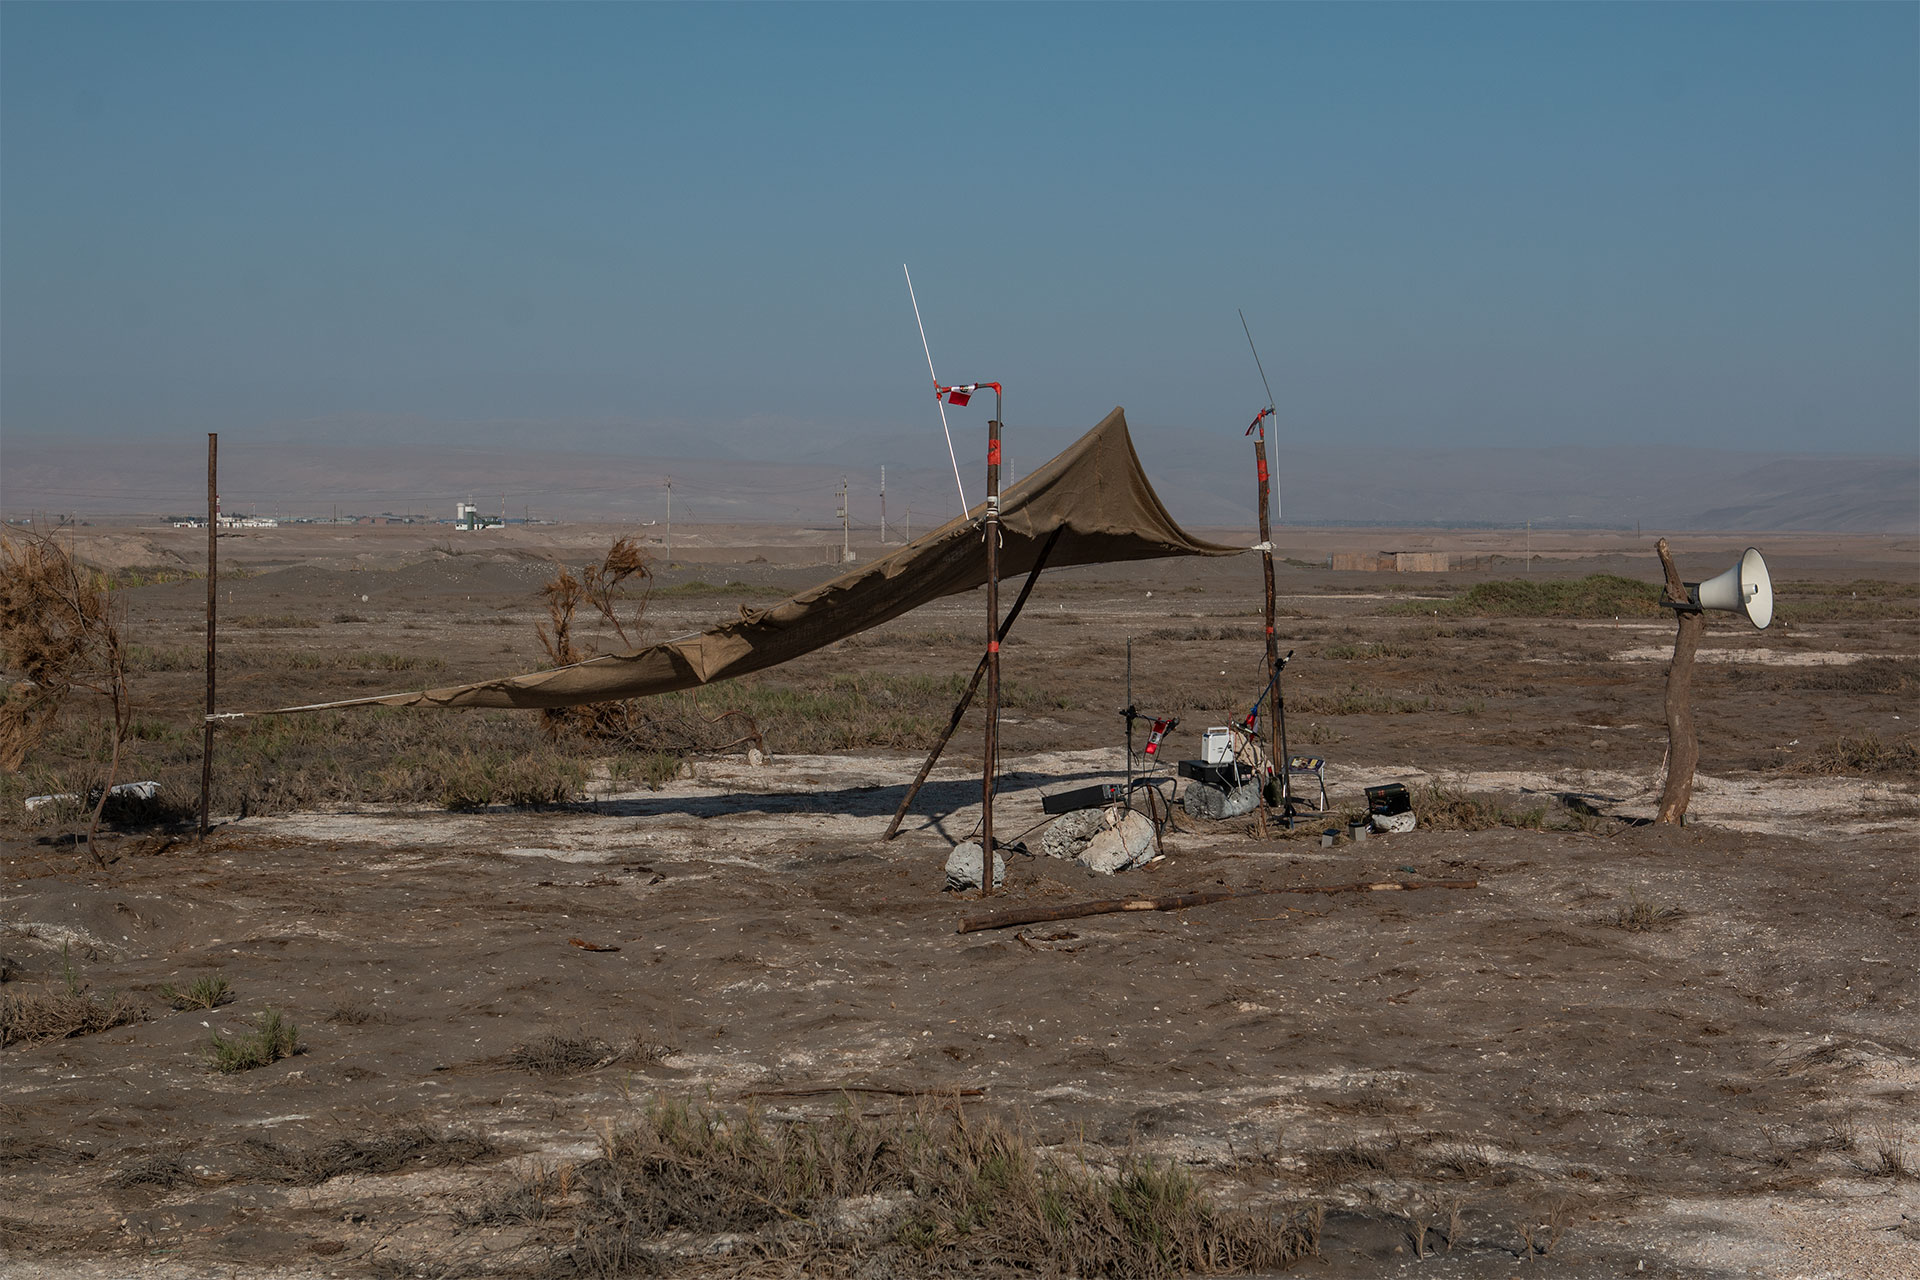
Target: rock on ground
<point x="1115" y="848"/>
<point x="1212" y="803"/>
<point x="963" y="868"/>
<point x="1067" y="836"/>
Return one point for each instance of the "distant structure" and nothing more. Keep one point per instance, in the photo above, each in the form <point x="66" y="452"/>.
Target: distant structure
<point x="1390" y="561"/>
<point x="230" y="522"/>
<point x="467" y="516"/>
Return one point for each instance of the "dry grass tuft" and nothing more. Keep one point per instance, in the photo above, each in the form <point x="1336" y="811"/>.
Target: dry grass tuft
<point x="1641" y="916"/>
<point x="207" y="992"/>
<point x="936" y="1193"/>
<point x="59" y="1014"/>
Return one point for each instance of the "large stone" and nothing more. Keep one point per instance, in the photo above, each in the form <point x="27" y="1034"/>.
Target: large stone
<point x="963" y="868"/>
<point x="1126" y="844"/>
<point x="1067" y="836"/>
<point x="1203" y="801"/>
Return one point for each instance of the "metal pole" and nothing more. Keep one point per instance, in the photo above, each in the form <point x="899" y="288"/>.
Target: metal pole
<point x="213" y="589"/>
<point x="993" y="647"/>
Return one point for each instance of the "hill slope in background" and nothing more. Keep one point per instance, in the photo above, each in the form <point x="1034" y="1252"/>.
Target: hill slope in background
<point x="1206" y="479"/>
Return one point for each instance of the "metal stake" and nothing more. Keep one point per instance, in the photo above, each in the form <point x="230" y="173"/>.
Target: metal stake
<point x="993" y="646"/>
<point x="213" y="589"/>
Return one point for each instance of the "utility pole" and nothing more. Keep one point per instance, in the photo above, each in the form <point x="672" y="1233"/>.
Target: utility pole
<point x="883" y="505"/>
<point x="669" y="522"/>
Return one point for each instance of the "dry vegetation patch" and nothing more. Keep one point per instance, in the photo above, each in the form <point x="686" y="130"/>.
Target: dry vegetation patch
<point x="1862" y="753"/>
<point x="57" y="1013"/>
<point x="1598" y="595"/>
<point x="415" y="1146"/>
<point x="930" y="1193"/>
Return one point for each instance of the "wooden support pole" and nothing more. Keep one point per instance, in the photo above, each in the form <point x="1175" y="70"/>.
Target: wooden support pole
<point x="992" y="749"/>
<point x="1276" y="719"/>
<point x="966" y="699"/>
<point x="1180" y="901"/>
<point x="213" y="589"/>
<point x="1683" y="748"/>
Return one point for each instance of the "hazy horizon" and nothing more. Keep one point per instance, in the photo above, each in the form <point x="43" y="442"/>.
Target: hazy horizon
<point x="1205" y="481"/>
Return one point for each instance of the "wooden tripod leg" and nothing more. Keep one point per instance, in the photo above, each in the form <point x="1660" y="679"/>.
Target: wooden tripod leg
<point x="973" y="686"/>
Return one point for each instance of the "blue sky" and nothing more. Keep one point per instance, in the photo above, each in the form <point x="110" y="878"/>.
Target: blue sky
<point x="678" y="229"/>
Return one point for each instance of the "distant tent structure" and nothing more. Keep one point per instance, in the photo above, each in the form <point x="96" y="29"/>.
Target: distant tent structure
<point x="1090" y="505"/>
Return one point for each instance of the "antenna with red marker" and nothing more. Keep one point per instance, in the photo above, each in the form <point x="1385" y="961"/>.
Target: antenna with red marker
<point x="960" y="394"/>
<point x="1278" y="724"/>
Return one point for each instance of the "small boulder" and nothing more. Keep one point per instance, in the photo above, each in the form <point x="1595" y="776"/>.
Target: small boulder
<point x="1068" y="835"/>
<point x="963" y="868"/>
<point x="1126" y="844"/>
<point x="1203" y="801"/>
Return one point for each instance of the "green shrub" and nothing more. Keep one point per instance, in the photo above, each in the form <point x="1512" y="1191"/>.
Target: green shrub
<point x="1598" y="595"/>
<point x="202" y="993"/>
<point x="269" y="1039"/>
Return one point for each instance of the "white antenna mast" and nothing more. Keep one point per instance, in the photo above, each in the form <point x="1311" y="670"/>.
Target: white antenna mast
<point x="937" y="397"/>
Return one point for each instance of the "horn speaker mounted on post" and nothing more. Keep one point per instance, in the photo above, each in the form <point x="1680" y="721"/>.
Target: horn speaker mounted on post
<point x="1746" y="588"/>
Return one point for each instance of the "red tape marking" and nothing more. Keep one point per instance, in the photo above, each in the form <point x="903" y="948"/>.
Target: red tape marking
<point x="993" y="646"/>
<point x="993" y="453"/>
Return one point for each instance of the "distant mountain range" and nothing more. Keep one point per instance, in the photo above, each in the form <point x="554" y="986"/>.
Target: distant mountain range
<point x="1205" y="479"/>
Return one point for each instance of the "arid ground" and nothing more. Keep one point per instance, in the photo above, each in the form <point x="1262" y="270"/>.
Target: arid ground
<point x="1630" y="1050"/>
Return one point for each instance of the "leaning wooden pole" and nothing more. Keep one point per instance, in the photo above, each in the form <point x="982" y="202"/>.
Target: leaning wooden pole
<point x="1180" y="901"/>
<point x="1683" y="748"/>
<point x="966" y="699"/>
<point x="213" y="590"/>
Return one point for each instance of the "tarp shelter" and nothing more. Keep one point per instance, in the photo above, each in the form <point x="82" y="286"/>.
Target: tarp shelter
<point x="1094" y="496"/>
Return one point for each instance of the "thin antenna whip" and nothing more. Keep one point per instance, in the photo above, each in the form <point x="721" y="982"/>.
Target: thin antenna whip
<point x="938" y="399"/>
<point x="1256" y="360"/>
<point x="1272" y="409"/>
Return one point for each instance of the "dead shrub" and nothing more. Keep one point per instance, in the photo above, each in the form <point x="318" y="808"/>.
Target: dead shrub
<point x="557" y="1054"/>
<point x="1862" y="753"/>
<point x="415" y="1146"/>
<point x="60" y="630"/>
<point x="32" y="1016"/>
<point x="1438" y="809"/>
<point x="164" y="1170"/>
<point x="602" y="586"/>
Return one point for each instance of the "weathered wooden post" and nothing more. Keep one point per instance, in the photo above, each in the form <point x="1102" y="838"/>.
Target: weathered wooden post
<point x="1683" y="748"/>
<point x="1745" y="589"/>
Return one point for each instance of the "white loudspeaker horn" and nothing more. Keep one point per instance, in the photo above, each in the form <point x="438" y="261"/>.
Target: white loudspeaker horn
<point x="1747" y="588"/>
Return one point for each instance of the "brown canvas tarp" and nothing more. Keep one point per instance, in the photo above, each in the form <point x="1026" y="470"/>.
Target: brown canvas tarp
<point x="1094" y="495"/>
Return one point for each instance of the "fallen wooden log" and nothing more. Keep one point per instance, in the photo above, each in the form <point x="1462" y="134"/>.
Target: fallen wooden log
<point x="1175" y="902"/>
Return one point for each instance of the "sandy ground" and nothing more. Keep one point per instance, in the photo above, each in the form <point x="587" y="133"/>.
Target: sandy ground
<point x="1713" y="1096"/>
